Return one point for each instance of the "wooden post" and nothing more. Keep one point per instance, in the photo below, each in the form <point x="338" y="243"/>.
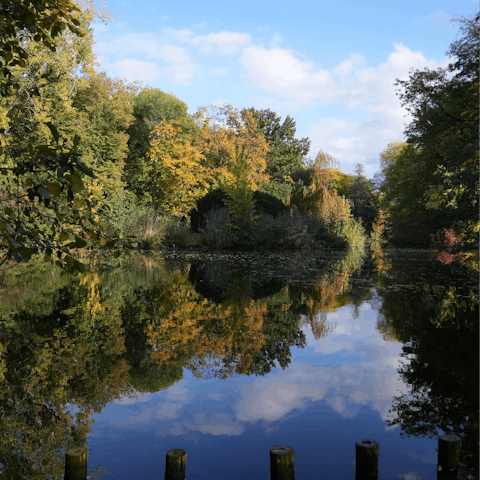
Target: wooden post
<point x="282" y="463"/>
<point x="76" y="463"/>
<point x="175" y="462"/>
<point x="366" y="459"/>
<point x="449" y="447"/>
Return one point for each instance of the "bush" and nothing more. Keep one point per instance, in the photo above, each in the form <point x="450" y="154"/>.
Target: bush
<point x="214" y="230"/>
<point x="268" y="204"/>
<point x="287" y="231"/>
<point x="177" y="235"/>
<point x="264" y="203"/>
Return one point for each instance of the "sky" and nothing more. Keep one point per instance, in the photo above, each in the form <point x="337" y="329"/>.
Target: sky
<point x="331" y="65"/>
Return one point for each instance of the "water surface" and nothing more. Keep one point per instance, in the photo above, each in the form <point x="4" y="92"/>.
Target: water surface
<point x="227" y="356"/>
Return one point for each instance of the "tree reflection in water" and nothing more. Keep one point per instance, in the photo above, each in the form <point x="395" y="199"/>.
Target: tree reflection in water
<point x="438" y="326"/>
<point x="71" y="344"/>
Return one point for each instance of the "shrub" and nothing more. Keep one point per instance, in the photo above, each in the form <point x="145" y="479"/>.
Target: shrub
<point x="214" y="230"/>
<point x="216" y="199"/>
<point x="268" y="204"/>
<point x="177" y="235"/>
<point x="287" y="231"/>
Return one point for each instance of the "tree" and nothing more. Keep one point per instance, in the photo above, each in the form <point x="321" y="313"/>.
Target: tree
<point x="364" y="199"/>
<point x="180" y="170"/>
<point x="445" y="128"/>
<point x="286" y="151"/>
<point x="151" y="106"/>
<point x="43" y="200"/>
<point x="236" y="153"/>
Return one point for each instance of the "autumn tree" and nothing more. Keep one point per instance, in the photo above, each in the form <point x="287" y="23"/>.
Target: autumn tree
<point x="236" y="152"/>
<point x="151" y="106"/>
<point x="180" y="170"/>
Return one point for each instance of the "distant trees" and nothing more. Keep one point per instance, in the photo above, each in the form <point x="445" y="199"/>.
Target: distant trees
<point x="84" y="158"/>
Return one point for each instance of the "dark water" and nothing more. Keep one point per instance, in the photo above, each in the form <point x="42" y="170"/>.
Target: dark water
<point x="228" y="356"/>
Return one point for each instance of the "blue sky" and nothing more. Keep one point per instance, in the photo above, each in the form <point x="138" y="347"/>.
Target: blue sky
<point x="331" y="65"/>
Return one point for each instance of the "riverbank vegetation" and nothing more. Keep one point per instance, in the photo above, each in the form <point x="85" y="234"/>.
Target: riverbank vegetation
<point x="90" y="162"/>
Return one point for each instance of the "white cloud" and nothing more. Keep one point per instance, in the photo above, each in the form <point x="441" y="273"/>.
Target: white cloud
<point x="279" y="71"/>
<point x="370" y="91"/>
<point x="226" y="43"/>
<point x="346" y="67"/>
<point x="183" y="35"/>
<point x="132" y="70"/>
<point x="181" y="74"/>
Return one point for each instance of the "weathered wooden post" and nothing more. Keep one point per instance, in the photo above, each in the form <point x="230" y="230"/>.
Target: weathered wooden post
<point x="366" y="459"/>
<point x="76" y="461"/>
<point x="449" y="447"/>
<point x="175" y="462"/>
<point x="282" y="463"/>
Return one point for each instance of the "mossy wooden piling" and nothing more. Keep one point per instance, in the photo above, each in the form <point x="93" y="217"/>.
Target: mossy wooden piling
<point x="282" y="463"/>
<point x="76" y="461"/>
<point x="449" y="447"/>
<point x="366" y="459"/>
<point x="175" y="463"/>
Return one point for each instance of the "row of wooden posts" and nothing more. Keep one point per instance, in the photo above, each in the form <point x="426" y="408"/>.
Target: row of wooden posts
<point x="282" y="461"/>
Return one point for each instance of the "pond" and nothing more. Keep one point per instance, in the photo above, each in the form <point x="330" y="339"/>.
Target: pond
<point x="226" y="356"/>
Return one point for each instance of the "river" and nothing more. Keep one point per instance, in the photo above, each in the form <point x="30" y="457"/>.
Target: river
<point x="228" y="355"/>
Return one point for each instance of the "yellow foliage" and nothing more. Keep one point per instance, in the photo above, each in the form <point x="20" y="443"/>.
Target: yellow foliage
<point x="182" y="175"/>
<point x="189" y="323"/>
<point x="234" y="148"/>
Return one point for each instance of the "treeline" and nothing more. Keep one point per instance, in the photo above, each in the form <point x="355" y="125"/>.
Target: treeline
<point x="88" y="161"/>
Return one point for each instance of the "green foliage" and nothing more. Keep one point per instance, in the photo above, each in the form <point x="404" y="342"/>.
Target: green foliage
<point x="179" y="235"/>
<point x="214" y="230"/>
<point x="266" y="203"/>
<point x="440" y="170"/>
<point x="151" y="106"/>
<point x="49" y="198"/>
<point x="365" y="203"/>
<point x="286" y="151"/>
<point x="287" y="231"/>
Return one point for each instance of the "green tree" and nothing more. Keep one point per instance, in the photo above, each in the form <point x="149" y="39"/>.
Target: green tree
<point x="444" y="106"/>
<point x="44" y="203"/>
<point x="405" y="181"/>
<point x="286" y="151"/>
<point x="364" y="200"/>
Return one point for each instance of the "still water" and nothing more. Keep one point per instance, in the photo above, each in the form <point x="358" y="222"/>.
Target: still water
<point x="226" y="356"/>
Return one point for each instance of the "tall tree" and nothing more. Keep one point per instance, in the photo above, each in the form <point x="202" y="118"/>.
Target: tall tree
<point x="444" y="106"/>
<point x="151" y="106"/>
<point x="237" y="152"/>
<point x="43" y="200"/>
<point x="286" y="151"/>
<point x="179" y="170"/>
